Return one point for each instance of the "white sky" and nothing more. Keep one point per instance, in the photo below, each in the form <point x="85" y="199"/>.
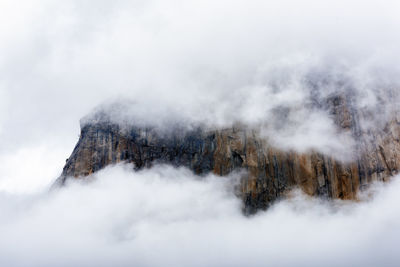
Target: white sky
<point x="209" y="60"/>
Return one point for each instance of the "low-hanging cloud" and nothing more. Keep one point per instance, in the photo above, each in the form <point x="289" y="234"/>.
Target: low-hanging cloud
<point x="217" y="63"/>
<point x="167" y="216"/>
<point x="209" y="62"/>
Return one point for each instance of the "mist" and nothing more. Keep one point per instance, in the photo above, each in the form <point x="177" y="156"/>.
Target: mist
<point x="167" y="216"/>
<point x="198" y="61"/>
<point x="263" y="64"/>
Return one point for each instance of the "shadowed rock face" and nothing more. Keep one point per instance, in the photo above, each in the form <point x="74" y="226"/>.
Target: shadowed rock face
<point x="270" y="172"/>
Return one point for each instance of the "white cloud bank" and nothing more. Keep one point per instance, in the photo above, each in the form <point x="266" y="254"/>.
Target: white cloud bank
<point x="169" y="217"/>
<point x="212" y="61"/>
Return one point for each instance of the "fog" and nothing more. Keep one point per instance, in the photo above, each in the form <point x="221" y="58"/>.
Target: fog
<point x="211" y="62"/>
<point x="166" y="216"/>
<point x="263" y="64"/>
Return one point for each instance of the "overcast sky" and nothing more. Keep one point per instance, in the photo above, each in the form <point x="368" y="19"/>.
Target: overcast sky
<point x="202" y="61"/>
<point x="212" y="61"/>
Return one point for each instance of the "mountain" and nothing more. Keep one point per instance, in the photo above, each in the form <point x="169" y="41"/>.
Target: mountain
<point x="270" y="171"/>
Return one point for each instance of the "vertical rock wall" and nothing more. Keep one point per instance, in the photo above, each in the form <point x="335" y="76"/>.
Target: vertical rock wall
<point x="270" y="172"/>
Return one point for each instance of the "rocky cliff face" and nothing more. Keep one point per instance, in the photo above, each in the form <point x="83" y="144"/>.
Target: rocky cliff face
<point x="270" y="172"/>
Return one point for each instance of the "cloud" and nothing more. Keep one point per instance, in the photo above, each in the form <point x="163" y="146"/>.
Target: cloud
<point x="31" y="168"/>
<point x="167" y="216"/>
<point x="213" y="62"/>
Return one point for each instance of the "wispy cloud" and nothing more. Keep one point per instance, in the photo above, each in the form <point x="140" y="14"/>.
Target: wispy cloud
<point x="166" y="216"/>
<point x="213" y="62"/>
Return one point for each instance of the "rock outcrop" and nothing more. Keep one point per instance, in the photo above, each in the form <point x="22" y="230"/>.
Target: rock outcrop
<point x="271" y="172"/>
